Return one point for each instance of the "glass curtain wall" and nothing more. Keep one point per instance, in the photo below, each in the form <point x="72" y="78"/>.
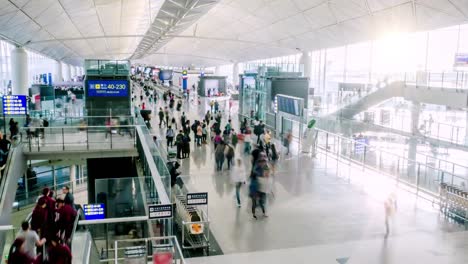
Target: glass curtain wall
<point x="37" y="64"/>
<point x="419" y="57"/>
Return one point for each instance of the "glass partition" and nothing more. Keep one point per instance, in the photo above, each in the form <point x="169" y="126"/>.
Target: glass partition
<point x="423" y="178"/>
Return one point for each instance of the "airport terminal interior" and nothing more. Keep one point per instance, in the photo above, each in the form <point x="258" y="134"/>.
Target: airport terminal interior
<point x="234" y="131"/>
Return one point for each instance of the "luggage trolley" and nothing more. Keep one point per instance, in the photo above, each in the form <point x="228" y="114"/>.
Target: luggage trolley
<point x="454" y="203"/>
<point x="192" y="221"/>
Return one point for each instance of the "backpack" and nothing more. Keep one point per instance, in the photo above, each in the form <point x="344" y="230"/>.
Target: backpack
<point x="257" y="130"/>
<point x="253" y="187"/>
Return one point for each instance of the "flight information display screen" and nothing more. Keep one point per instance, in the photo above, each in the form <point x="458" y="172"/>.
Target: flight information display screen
<point x="288" y="105"/>
<point x="108" y="88"/>
<point x="93" y="211"/>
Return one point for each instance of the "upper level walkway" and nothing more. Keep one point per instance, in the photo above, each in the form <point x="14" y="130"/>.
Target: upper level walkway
<point x="79" y="141"/>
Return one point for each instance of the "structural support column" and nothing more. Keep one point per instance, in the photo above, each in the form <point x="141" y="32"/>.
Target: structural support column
<point x="57" y="76"/>
<point x="466" y="128"/>
<point x="415" y="112"/>
<point x="66" y="72"/>
<point x="73" y="177"/>
<point x="306" y="60"/>
<point x="235" y="74"/>
<point x="72" y="71"/>
<point x="413" y="141"/>
<point x="19" y="69"/>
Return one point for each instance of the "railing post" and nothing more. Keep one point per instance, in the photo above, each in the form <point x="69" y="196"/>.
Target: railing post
<point x="443" y="75"/>
<point x="87" y="137"/>
<point x="63" y="140"/>
<point x="417" y="179"/>
<point x="110" y="137"/>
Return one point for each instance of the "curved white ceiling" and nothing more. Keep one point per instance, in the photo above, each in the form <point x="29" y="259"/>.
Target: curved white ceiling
<point x="169" y="32"/>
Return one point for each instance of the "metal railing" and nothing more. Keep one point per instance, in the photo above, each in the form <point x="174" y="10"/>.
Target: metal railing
<point x="164" y="249"/>
<point x="37" y="139"/>
<point x="424" y="180"/>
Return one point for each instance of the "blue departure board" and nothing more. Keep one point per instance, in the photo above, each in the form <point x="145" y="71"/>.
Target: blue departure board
<point x="107" y="88"/>
<point x="15" y="105"/>
<point x="93" y="211"/>
<point x="288" y="105"/>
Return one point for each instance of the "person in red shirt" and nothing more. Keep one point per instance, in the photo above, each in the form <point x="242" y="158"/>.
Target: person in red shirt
<point x="39" y="217"/>
<point x="17" y="254"/>
<point x="59" y="253"/>
<point x="66" y="219"/>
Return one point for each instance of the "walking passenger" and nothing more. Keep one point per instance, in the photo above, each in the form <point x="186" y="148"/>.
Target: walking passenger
<point x="169" y="137"/>
<point x="257" y="185"/>
<point x="204" y="133"/>
<point x="179" y="143"/>
<point x="186" y="145"/>
<point x="229" y="152"/>
<point x="161" y="116"/>
<point x="219" y="155"/>
<point x="199" y="134"/>
<point x="174" y="123"/>
<point x="238" y="178"/>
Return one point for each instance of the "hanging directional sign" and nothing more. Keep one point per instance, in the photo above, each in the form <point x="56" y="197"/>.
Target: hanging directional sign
<point x="197" y="198"/>
<point x="160" y="211"/>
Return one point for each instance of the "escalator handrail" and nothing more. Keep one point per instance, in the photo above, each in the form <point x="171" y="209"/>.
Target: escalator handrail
<point x="79" y="213"/>
<point x="4" y="176"/>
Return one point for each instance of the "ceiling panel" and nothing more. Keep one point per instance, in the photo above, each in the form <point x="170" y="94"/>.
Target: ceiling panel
<point x="320" y="16"/>
<point x="231" y="30"/>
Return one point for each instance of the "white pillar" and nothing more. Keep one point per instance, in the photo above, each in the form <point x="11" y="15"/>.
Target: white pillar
<point x="306" y="60"/>
<point x="73" y="177"/>
<point x="19" y="70"/>
<point x="218" y="71"/>
<point x="57" y="75"/>
<point x="72" y="71"/>
<point x="235" y="74"/>
<point x="66" y="72"/>
<point x="466" y="128"/>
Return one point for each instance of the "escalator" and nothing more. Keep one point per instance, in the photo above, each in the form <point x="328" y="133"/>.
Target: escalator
<point x="453" y="98"/>
<point x="14" y="169"/>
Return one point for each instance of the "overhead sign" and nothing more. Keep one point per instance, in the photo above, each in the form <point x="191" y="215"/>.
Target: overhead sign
<point x="107" y="88"/>
<point x="461" y="60"/>
<point x="160" y="211"/>
<point x="94" y="211"/>
<point x="360" y="145"/>
<point x="15" y="105"/>
<point x="197" y="198"/>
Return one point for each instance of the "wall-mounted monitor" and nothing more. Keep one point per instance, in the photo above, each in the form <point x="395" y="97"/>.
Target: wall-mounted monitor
<point x="108" y="88"/>
<point x="94" y="211"/>
<point x="289" y="105"/>
<point x="165" y="75"/>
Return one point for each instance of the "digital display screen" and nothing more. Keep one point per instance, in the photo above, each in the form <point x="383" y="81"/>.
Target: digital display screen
<point x="93" y="211"/>
<point x="288" y="105"/>
<point x="107" y="88"/>
<point x="165" y="75"/>
<point x="461" y="60"/>
<point x="15" y="105"/>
